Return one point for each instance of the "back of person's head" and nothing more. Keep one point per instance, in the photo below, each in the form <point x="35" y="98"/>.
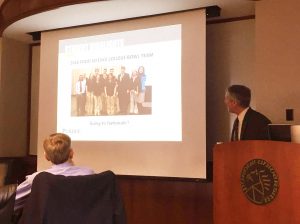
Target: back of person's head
<point x="241" y="94"/>
<point x="57" y="148"/>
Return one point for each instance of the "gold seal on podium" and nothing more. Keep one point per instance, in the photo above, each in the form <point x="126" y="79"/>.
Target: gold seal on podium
<point x="259" y="182"/>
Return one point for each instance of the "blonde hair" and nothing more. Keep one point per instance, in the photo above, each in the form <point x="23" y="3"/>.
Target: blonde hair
<point x="57" y="148"/>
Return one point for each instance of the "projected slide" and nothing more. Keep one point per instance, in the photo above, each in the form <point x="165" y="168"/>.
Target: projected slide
<point x="122" y="86"/>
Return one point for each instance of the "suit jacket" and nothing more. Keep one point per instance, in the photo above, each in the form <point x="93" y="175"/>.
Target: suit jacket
<point x="124" y="84"/>
<point x="89" y="199"/>
<point x="254" y="127"/>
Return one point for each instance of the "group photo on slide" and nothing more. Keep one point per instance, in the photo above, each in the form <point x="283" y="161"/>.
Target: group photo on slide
<point x="121" y="82"/>
<point x="113" y="90"/>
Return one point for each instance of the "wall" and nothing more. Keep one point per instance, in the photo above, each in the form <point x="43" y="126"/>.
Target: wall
<point x="277" y="58"/>
<point x="14" y="98"/>
<point x="35" y="77"/>
<point x="0" y="63"/>
<point x="150" y="201"/>
<point x="230" y="60"/>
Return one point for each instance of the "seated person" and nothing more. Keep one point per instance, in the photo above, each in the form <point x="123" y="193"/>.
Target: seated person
<point x="57" y="150"/>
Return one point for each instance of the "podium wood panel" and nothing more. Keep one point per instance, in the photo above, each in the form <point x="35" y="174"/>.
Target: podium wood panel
<point x="232" y="206"/>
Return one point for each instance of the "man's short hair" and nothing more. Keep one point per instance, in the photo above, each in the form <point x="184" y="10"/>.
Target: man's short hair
<point x="57" y="147"/>
<point x="240" y="93"/>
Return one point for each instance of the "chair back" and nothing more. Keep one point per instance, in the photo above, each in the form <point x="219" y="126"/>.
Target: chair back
<point x="88" y="199"/>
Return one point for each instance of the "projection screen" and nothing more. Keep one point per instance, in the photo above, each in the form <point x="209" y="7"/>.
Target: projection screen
<point x="153" y="128"/>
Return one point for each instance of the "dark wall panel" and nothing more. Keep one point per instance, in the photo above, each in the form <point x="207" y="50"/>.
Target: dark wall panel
<point x="151" y="201"/>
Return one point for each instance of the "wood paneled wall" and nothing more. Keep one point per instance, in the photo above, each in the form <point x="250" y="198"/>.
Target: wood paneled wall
<point x="150" y="201"/>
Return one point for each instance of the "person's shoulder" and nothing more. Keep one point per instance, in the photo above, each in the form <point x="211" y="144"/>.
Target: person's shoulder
<point x="84" y="170"/>
<point x="89" y="170"/>
<point x="29" y="178"/>
<point x="70" y="170"/>
<point x="258" y="115"/>
<point x="34" y="174"/>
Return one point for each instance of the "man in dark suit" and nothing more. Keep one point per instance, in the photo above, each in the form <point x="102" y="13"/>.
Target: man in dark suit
<point x="249" y="124"/>
<point x="123" y="90"/>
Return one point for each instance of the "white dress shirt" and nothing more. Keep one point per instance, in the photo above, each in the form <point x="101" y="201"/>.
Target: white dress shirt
<point x="241" y="117"/>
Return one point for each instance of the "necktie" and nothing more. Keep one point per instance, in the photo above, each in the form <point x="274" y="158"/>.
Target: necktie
<point x="80" y="87"/>
<point x="235" y="130"/>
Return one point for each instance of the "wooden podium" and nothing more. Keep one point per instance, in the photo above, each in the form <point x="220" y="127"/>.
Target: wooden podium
<point x="256" y="182"/>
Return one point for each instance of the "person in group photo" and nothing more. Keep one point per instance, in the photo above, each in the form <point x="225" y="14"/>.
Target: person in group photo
<point x="133" y="109"/>
<point x="97" y="95"/>
<point x="103" y="78"/>
<point x="80" y="89"/>
<point x="141" y="89"/>
<point x="110" y="90"/>
<point x="123" y="90"/>
<point x="90" y="94"/>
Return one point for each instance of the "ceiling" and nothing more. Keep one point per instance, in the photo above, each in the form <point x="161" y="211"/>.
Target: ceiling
<point x="103" y="11"/>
